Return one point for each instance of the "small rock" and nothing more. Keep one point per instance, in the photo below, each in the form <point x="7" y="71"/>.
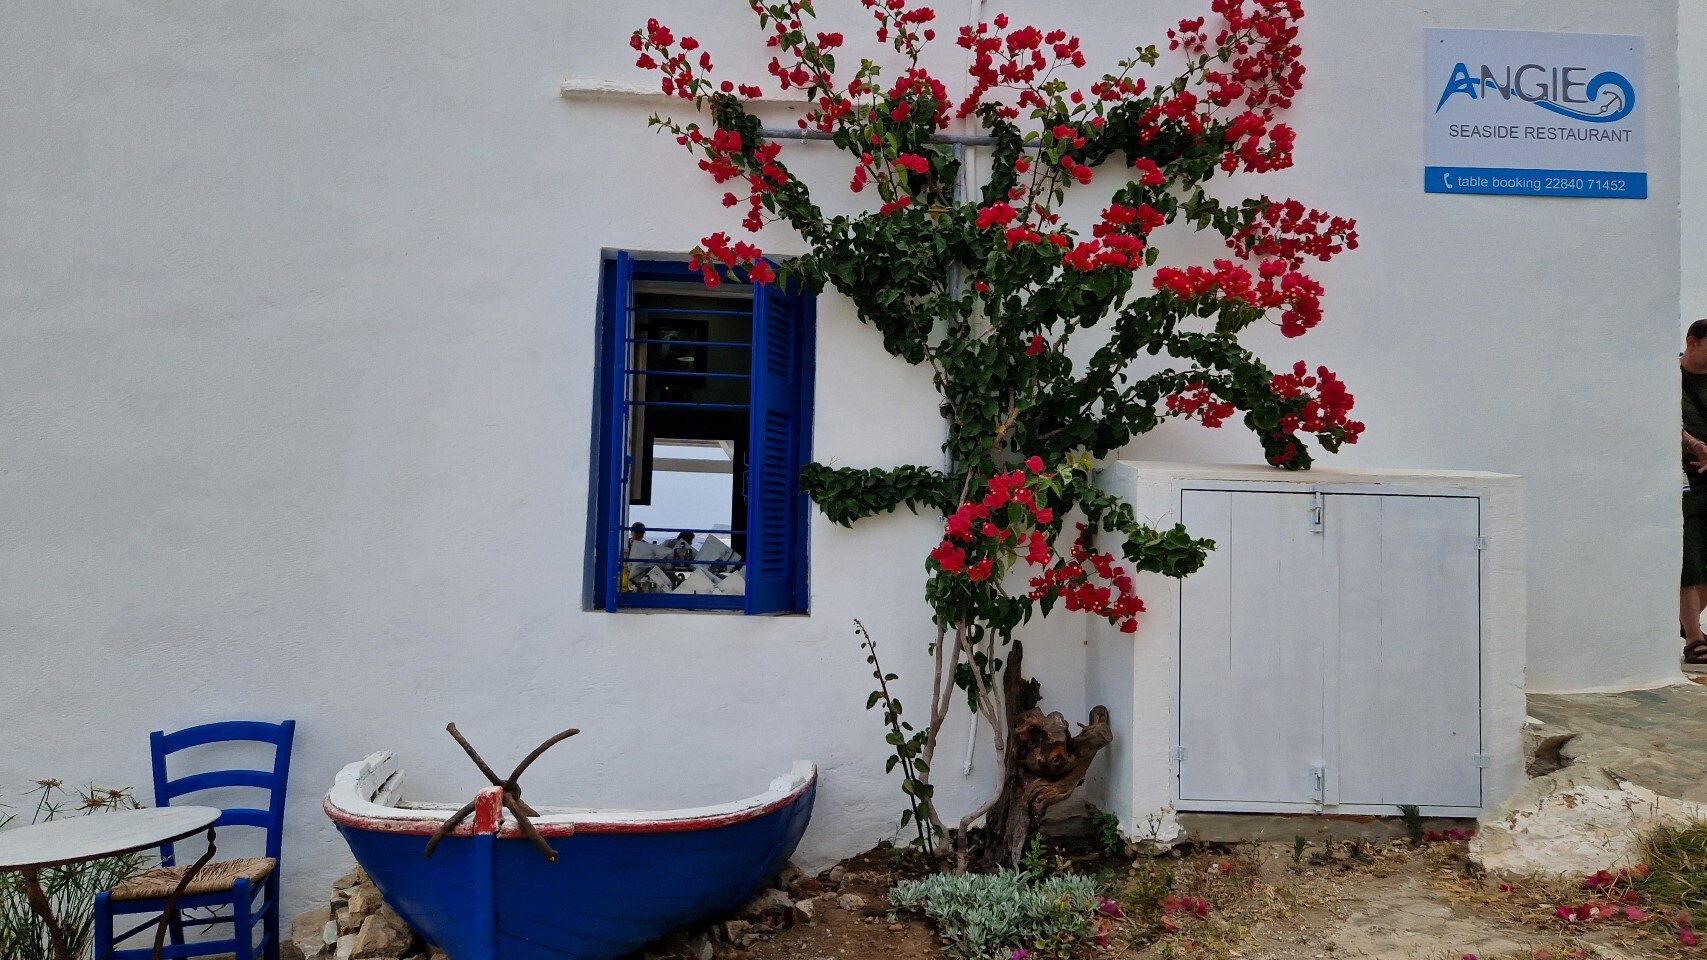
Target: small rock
<point x="344" y="882"/>
<point x="838" y="873"/>
<point x="438" y="955"/>
<point x="771" y="901"/>
<point x="897" y="927"/>
<point x="364" y="903"/>
<point x="699" y="945"/>
<point x="346" y="946"/>
<point x="341" y="916"/>
<point x="806" y="887"/>
<point x="307" y="933"/>
<point x="383" y="936"/>
<point x="731" y="931"/>
<point x="788" y="876"/>
<point x="329" y="934"/>
<point x="850" y="901"/>
<point x="806" y="909"/>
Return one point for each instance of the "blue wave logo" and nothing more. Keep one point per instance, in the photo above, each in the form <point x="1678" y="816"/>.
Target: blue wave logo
<point x="1607" y="96"/>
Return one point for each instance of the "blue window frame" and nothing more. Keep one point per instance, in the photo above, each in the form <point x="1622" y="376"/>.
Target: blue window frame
<point x="679" y="363"/>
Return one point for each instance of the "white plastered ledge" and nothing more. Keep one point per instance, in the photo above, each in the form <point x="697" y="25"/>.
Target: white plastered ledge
<point x="583" y="88"/>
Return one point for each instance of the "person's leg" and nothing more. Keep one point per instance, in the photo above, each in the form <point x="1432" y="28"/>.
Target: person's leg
<point x="1692" y="583"/>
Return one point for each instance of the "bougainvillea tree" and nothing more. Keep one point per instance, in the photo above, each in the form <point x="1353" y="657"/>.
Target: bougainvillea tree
<point x="1027" y="325"/>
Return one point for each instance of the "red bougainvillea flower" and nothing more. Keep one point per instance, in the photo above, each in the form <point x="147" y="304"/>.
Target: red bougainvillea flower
<point x="1149" y="175"/>
<point x="997" y="214"/>
<point x="1198" y="402"/>
<point x="898" y="204"/>
<point x="1196" y="906"/>
<point x="913" y="162"/>
<point x="948" y="557"/>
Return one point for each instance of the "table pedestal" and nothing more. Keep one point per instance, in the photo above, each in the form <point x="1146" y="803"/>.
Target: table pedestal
<point x="43" y="909"/>
<point x="178" y="891"/>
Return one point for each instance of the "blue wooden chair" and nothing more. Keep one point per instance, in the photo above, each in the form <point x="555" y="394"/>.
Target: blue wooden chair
<point x="243" y="893"/>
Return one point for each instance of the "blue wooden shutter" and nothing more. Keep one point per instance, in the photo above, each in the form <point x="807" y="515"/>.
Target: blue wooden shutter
<point x="773" y="458"/>
<point x="616" y="453"/>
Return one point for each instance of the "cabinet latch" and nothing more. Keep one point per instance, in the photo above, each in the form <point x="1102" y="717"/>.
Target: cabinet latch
<point x="1315" y="513"/>
<point x="1319" y="779"/>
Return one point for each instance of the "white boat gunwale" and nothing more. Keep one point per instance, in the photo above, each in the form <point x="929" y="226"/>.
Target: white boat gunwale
<point x="366" y="795"/>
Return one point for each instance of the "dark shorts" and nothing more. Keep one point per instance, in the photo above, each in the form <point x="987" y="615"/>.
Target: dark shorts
<point x="1694" y="539"/>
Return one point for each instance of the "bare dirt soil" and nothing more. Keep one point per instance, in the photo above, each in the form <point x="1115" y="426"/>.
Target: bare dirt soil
<point x="1365" y="900"/>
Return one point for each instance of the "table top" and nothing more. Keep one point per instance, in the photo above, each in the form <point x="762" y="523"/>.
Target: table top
<point x="108" y="834"/>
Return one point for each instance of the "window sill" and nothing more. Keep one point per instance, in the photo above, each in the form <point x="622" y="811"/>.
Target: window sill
<point x="666" y="601"/>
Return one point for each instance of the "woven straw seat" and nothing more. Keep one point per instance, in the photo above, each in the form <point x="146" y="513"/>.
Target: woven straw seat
<point x="216" y="877"/>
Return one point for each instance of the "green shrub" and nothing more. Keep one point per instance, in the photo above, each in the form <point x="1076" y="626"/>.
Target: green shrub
<point x="71" y="890"/>
<point x="989" y="915"/>
<point x="1110" y="839"/>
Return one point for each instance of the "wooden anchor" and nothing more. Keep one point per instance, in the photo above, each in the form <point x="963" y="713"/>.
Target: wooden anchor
<point x="512" y="793"/>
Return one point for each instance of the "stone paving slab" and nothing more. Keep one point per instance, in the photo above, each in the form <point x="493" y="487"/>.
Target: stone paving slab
<point x="1654" y="738"/>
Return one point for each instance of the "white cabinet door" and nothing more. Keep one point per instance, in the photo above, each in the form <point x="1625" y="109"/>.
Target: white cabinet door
<point x="1251" y="628"/>
<point x="1409" y="684"/>
<point x="1333" y="658"/>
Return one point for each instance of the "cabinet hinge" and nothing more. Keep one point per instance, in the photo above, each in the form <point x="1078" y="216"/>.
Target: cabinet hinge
<point x="1482" y="760"/>
<point x="1319" y="778"/>
<point x="1176" y="753"/>
<point x="1482" y="543"/>
<point x="1315" y="513"/>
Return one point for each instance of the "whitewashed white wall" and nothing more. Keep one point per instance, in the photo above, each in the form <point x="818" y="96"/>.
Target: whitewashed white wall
<point x="1692" y="86"/>
<point x="1515" y="335"/>
<point x="298" y="306"/>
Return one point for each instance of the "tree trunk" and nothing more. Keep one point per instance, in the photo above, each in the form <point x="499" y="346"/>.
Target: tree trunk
<point x="1045" y="763"/>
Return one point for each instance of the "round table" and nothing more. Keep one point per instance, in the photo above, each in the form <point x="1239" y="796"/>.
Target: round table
<point x="58" y="843"/>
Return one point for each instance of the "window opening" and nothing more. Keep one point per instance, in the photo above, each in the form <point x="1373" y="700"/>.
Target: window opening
<point x="682" y="514"/>
<point x="689" y="383"/>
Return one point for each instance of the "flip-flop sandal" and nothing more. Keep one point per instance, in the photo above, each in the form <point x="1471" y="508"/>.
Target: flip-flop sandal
<point x="1695" y="654"/>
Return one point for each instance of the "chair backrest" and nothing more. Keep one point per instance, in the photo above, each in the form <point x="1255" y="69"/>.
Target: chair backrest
<point x="270" y="819"/>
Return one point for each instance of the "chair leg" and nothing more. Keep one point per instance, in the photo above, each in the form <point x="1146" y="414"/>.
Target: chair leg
<point x="103" y="924"/>
<point x="242" y="924"/>
<point x="174" y="928"/>
<point x="270" y="921"/>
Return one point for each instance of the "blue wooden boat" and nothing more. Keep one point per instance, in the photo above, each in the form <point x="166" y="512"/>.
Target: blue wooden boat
<point x="621" y="878"/>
